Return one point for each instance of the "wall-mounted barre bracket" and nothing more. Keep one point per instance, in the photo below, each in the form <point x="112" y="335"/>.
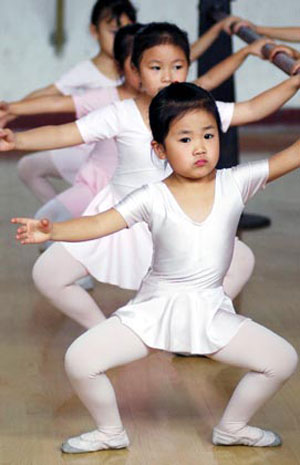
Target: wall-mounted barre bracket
<point x="58" y="36"/>
<point x="282" y="60"/>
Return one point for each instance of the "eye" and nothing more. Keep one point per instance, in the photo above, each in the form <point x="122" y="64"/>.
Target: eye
<point x="177" y="67"/>
<point x="156" y="67"/>
<point x="185" y="140"/>
<point x="209" y="136"/>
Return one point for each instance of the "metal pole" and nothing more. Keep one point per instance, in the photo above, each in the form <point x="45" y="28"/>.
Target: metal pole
<point x="282" y="60"/>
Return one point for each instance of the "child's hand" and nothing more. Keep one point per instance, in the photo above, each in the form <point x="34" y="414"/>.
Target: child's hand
<point x="282" y="49"/>
<point x="255" y="48"/>
<point x="33" y="231"/>
<point x="4" y="109"/>
<point x="7" y="140"/>
<point x="296" y="67"/>
<point x="227" y="23"/>
<point x="243" y="22"/>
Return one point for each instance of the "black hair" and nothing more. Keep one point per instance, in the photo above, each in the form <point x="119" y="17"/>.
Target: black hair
<point x="156" y="34"/>
<point x="176" y="100"/>
<point x="112" y="9"/>
<point x="123" y="42"/>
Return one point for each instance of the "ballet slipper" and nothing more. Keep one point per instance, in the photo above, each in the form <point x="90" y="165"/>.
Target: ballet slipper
<point x="94" y="441"/>
<point x="248" y="436"/>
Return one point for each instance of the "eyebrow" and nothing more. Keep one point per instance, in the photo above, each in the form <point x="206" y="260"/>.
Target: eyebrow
<point x="161" y="61"/>
<point x="186" y="131"/>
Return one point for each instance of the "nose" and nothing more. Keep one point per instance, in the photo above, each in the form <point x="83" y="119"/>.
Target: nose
<point x="166" y="77"/>
<point x="199" y="148"/>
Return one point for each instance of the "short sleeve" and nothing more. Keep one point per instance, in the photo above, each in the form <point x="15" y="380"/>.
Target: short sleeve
<point x="136" y="206"/>
<point x="100" y="124"/>
<point x="72" y="81"/>
<point x="251" y="177"/>
<point x="94" y="99"/>
<point x="226" y="112"/>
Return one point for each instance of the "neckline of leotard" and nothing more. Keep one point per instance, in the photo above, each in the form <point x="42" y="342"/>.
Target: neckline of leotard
<point x="182" y="212"/>
<point x="103" y="75"/>
<point x="140" y="116"/>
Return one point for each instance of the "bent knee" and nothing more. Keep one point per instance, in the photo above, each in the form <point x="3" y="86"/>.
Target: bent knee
<point x="246" y="259"/>
<point x="284" y="363"/>
<point x="46" y="280"/>
<point x="25" y="168"/>
<point x="79" y="362"/>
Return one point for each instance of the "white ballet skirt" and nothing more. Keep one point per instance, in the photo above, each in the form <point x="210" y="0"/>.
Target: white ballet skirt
<point x="124" y="258"/>
<point x="181" y="305"/>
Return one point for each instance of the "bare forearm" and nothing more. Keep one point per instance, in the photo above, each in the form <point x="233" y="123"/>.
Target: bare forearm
<point x="48" y="137"/>
<point x="291" y="34"/>
<point x="48" y="104"/>
<point x="205" y="41"/>
<point x="88" y="227"/>
<point x="223" y="70"/>
<point x="49" y="90"/>
<point x="265" y="103"/>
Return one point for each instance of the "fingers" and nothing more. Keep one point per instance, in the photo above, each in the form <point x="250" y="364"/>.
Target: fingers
<point x="296" y="68"/>
<point x="237" y="26"/>
<point x="19" y="220"/>
<point x="280" y="49"/>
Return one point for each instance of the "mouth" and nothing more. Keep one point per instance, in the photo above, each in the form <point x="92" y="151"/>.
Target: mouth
<point x="200" y="162"/>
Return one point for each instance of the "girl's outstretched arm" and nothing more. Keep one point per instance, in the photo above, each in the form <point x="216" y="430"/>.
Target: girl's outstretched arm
<point x="44" y="138"/>
<point x="208" y="38"/>
<point x="80" y="229"/>
<point x="291" y="34"/>
<point x="265" y="103"/>
<point x="284" y="162"/>
<point x="48" y="104"/>
<point x="48" y="90"/>
<point x="223" y="70"/>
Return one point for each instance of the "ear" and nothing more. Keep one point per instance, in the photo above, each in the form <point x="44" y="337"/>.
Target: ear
<point x="93" y="31"/>
<point x="159" y="150"/>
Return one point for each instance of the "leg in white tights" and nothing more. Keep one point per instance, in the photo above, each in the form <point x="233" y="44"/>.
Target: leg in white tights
<point x="55" y="274"/>
<point x="240" y="270"/>
<point x="34" y="171"/>
<point x="56" y="271"/>
<point x="271" y="361"/>
<point x="86" y="360"/>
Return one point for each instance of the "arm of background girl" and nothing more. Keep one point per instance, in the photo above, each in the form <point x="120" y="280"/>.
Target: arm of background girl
<point x="265" y="103"/>
<point x="291" y="34"/>
<point x="44" y="138"/>
<point x="46" y="91"/>
<point x="284" y="162"/>
<point x="80" y="229"/>
<point x="208" y="38"/>
<point x="223" y="70"/>
<point x="295" y="54"/>
<point x="48" y="104"/>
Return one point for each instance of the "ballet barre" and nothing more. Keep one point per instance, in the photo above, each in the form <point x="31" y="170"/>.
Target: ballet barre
<point x="282" y="60"/>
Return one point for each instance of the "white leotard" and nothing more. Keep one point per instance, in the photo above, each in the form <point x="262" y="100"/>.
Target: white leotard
<point x="113" y="259"/>
<point x="181" y="305"/>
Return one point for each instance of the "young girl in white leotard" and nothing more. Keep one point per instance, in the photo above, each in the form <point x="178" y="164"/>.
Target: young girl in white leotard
<point x="36" y="170"/>
<point x="161" y="54"/>
<point x="181" y="305"/>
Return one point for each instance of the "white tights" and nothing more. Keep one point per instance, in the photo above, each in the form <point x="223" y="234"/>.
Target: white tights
<point x="34" y="171"/>
<point x="270" y="360"/>
<point x="56" y="271"/>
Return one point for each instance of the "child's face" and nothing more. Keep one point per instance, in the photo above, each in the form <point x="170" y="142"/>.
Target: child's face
<point x="160" y="66"/>
<point x="192" y="145"/>
<point x="106" y="30"/>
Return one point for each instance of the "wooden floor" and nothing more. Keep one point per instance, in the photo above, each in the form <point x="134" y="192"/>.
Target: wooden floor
<point x="169" y="404"/>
